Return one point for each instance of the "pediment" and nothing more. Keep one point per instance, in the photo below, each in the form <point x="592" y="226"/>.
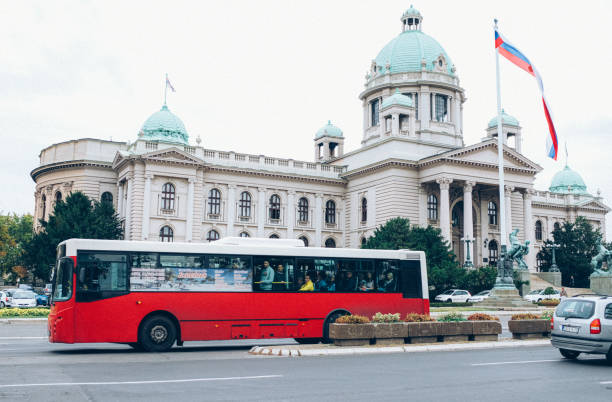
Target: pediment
<point x="171" y="155"/>
<point x="594" y="204"/>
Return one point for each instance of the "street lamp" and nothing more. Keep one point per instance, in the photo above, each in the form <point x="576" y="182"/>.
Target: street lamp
<point x="468" y="259"/>
<point x="554" y="267"/>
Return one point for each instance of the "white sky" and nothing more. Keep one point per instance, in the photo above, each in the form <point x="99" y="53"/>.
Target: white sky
<point x="262" y="77"/>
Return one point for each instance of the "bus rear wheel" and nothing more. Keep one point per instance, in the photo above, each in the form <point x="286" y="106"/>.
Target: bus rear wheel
<point x="157" y="334"/>
<point x="307" y="341"/>
<point x="330" y="320"/>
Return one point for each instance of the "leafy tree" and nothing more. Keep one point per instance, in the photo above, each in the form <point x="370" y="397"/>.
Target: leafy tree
<point x="76" y="217"/>
<point x="15" y="232"/>
<point x="578" y="241"/>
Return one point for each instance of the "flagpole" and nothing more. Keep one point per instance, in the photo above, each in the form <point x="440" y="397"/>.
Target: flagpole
<point x="500" y="158"/>
<point x="165" y="89"/>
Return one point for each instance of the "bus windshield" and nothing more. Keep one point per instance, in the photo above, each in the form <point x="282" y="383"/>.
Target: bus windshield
<point x="62" y="280"/>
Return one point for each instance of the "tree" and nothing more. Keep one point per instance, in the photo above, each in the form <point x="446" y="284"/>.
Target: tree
<point x="577" y="241"/>
<point x="76" y="217"/>
<point x="15" y="232"/>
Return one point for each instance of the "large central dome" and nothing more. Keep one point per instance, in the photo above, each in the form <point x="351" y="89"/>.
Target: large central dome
<point x="164" y="126"/>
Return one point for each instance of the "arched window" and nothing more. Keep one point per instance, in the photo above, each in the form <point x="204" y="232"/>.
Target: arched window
<point x="212" y="235"/>
<point x="44" y="206"/>
<point x="274" y="210"/>
<point x="244" y="234"/>
<point x="557" y="226"/>
<point x="168" y="195"/>
<point x="432" y="207"/>
<point x="305" y="240"/>
<point x="363" y="241"/>
<point x="245" y="204"/>
<point x="58" y="196"/>
<point x="330" y="243"/>
<point x="107" y="197"/>
<point x="538" y="230"/>
<point x="330" y="212"/>
<point x="274" y="236"/>
<point x="493" y="252"/>
<point x="364" y="210"/>
<point x="303" y="210"/>
<point x="214" y="202"/>
<point x="166" y="234"/>
<point x="492" y="213"/>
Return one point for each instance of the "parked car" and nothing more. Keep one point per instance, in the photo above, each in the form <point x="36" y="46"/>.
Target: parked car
<point x="454" y="295"/>
<point x="583" y="324"/>
<point x="478" y="297"/>
<point x="9" y="296"/>
<point x="538" y="295"/>
<point x="23" y="298"/>
<point x="42" y="299"/>
<point x="25" y="286"/>
<point x="3" y="299"/>
<point x="48" y="289"/>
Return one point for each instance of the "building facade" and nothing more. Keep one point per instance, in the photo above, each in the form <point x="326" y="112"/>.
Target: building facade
<point x="412" y="163"/>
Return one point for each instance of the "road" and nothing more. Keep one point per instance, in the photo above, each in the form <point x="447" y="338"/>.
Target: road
<point x="31" y="369"/>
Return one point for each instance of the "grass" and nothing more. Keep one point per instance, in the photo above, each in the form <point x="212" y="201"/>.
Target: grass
<point x="24" y="312"/>
<point x="451" y="309"/>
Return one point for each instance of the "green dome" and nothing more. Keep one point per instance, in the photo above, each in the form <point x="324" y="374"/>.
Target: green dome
<point x="506" y="119"/>
<point x="568" y="182"/>
<point x="397" y="99"/>
<point x="411" y="12"/>
<point x="328" y="130"/>
<point x="405" y="53"/>
<point x="164" y="126"/>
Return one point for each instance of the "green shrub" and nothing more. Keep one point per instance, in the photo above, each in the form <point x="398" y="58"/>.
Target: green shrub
<point x="352" y="319"/>
<point x="416" y="317"/>
<point x="23" y="312"/>
<point x="547" y="315"/>
<point x="525" y="316"/>
<point x="549" y="291"/>
<point x="382" y="318"/>
<point x="451" y="317"/>
<point x="482" y="317"/>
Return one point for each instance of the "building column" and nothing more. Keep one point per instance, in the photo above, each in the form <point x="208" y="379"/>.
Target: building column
<point x="508" y="194"/>
<point x="290" y="213"/>
<point x="529" y="229"/>
<point x="146" y="209"/>
<point x="318" y="216"/>
<point x="119" y="199"/>
<point x="422" y="206"/>
<point x="468" y="224"/>
<point x="432" y="115"/>
<point x="261" y="212"/>
<point x="371" y="195"/>
<point x="484" y="230"/>
<point x="424" y="103"/>
<point x="128" y="209"/>
<point x="456" y="113"/>
<point x="231" y="209"/>
<point x="354" y="220"/>
<point x="190" y="199"/>
<point x="395" y="124"/>
<point x="445" y="209"/>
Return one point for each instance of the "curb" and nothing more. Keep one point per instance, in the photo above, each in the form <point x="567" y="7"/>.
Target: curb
<point x="365" y="350"/>
<point x="21" y="320"/>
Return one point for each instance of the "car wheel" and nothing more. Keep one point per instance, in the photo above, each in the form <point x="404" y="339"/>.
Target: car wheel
<point x="157" y="334"/>
<point x="609" y="355"/>
<point x="569" y="354"/>
<point x="2" y="305"/>
<point x="449" y="300"/>
<point x="539" y="300"/>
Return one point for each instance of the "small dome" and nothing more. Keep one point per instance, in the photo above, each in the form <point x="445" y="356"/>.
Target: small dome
<point x="568" y="182"/>
<point x="411" y="12"/>
<point x="164" y="126"/>
<point x="506" y="119"/>
<point x="397" y="99"/>
<point x="328" y="130"/>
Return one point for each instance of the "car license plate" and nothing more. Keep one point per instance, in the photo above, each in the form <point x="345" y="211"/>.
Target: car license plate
<point x="568" y="328"/>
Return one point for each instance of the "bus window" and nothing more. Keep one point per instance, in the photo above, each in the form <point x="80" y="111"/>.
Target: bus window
<point x="346" y="279"/>
<point x="273" y="274"/>
<point x="62" y="280"/>
<point x="181" y="261"/>
<point x="321" y="271"/>
<point x="387" y="274"/>
<point x="101" y="275"/>
<point x="411" y="279"/>
<point x="366" y="276"/>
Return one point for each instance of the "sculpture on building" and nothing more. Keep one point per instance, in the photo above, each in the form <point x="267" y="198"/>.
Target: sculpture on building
<point x="596" y="262"/>
<point x="518" y="250"/>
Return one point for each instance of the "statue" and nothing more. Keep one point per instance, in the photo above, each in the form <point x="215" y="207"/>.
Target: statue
<point x="517" y="250"/>
<point x="596" y="262"/>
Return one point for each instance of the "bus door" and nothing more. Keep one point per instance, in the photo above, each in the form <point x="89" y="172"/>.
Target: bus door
<point x="61" y="317"/>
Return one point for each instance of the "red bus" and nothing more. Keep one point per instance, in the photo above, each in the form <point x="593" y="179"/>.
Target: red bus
<point x="152" y="295"/>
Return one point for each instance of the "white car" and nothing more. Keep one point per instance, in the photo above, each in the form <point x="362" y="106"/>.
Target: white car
<point x="478" y="297"/>
<point x="23" y="298"/>
<point x="454" y="295"/>
<point x="3" y="300"/>
<point x="538" y="295"/>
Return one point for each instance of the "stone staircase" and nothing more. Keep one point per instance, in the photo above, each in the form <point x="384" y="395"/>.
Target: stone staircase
<point x="535" y="282"/>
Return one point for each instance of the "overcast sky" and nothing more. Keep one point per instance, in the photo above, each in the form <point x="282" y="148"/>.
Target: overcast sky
<point x="263" y="76"/>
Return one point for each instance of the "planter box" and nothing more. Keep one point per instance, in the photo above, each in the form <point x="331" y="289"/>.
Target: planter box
<point x="529" y="329"/>
<point x="351" y="334"/>
<point x="390" y="333"/>
<point x="455" y="328"/>
<point x="485" y="330"/>
<point x="423" y="332"/>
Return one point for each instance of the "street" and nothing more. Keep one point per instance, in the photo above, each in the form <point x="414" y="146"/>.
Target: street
<point x="31" y="369"/>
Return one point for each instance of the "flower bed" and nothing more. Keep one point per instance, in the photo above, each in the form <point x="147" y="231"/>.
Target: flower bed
<point x="23" y="312"/>
<point x="529" y="326"/>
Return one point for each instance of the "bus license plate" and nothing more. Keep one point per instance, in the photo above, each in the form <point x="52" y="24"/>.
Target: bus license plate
<point x="568" y="328"/>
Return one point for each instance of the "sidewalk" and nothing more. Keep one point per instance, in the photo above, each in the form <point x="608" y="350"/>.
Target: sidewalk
<point x="331" y="350"/>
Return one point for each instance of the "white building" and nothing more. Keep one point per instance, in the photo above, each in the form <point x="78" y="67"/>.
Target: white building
<point x="412" y="163"/>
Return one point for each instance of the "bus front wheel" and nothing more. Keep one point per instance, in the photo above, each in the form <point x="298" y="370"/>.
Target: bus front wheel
<point x="157" y="334"/>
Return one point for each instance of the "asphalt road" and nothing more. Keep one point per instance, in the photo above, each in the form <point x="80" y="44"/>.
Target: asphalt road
<point x="31" y="369"/>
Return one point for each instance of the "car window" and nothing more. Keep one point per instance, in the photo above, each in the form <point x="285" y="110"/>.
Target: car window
<point x="608" y="312"/>
<point x="576" y="308"/>
<point x="448" y="292"/>
<point x="24" y="295"/>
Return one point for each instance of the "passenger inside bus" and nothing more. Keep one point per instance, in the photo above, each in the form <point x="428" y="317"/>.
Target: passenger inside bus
<point x="280" y="278"/>
<point x="308" y="285"/>
<point x="267" y="277"/>
<point x="389" y="283"/>
<point x="321" y="285"/>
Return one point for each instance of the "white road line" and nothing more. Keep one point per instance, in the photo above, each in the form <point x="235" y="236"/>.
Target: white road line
<point x="519" y="362"/>
<point x="22" y="337"/>
<point x="254" y="377"/>
<point x="605" y="382"/>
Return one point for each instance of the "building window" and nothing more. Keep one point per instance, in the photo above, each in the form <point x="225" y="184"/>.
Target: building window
<point x="364" y="210"/>
<point x="387" y="124"/>
<point x="538" y="230"/>
<point x="330" y="212"/>
<point x="305" y="240"/>
<point x="441" y="107"/>
<point x="330" y="243"/>
<point x="244" y="234"/>
<point x="415" y="98"/>
<point x="107" y="197"/>
<point x="303" y="210"/>
<point x="214" y="202"/>
<point x="493" y="252"/>
<point x="168" y="195"/>
<point x="274" y="236"/>
<point x="492" y="213"/>
<point x="245" y="204"/>
<point x="166" y="234"/>
<point x="374" y="111"/>
<point x="557" y="226"/>
<point x="432" y="207"/>
<point x="363" y="241"/>
<point x="212" y="235"/>
<point x="44" y="206"/>
<point x="274" y="207"/>
<point x="58" y="196"/>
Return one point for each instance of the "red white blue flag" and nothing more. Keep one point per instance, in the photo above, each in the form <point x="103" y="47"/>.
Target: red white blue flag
<point x="511" y="53"/>
<point x="168" y="84"/>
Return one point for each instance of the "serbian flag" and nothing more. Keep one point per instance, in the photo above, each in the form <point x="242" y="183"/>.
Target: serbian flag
<point x="168" y="84"/>
<point x="511" y="53"/>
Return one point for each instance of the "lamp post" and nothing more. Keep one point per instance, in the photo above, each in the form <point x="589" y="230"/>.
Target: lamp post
<point x="468" y="259"/>
<point x="554" y="267"/>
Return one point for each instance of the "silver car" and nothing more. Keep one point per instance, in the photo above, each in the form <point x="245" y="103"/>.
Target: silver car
<point x="583" y="324"/>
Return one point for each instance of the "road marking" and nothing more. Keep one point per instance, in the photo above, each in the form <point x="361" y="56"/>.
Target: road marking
<point x="254" y="377"/>
<point x="519" y="362"/>
<point x="605" y="382"/>
<point x="22" y="337"/>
